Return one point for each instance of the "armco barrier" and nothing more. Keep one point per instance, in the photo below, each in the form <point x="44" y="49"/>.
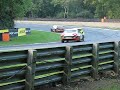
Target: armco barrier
<point x="27" y="69"/>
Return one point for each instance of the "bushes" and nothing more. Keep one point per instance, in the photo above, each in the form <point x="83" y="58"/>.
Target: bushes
<point x="60" y="15"/>
<point x="6" y="21"/>
<point x="10" y="9"/>
<point x="85" y="14"/>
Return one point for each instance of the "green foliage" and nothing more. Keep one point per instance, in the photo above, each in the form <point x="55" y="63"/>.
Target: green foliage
<point x="75" y="8"/>
<point x="85" y="14"/>
<point x="61" y="9"/>
<point x="109" y="8"/>
<point x="10" y="9"/>
<point x="60" y="15"/>
<point x="113" y="9"/>
<point x="42" y="8"/>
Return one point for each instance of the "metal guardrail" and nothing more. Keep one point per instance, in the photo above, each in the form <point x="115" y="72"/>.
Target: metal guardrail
<point x="30" y="68"/>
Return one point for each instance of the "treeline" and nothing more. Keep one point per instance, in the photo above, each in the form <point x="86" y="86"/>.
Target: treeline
<point x="75" y="9"/>
<point x="11" y="9"/>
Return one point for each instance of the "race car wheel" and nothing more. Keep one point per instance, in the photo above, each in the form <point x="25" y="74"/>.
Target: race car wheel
<point x="51" y="30"/>
<point x="62" y="41"/>
<point x="83" y="38"/>
<point x="67" y="41"/>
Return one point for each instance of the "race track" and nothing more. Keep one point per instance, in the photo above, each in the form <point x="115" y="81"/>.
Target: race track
<point x="91" y="34"/>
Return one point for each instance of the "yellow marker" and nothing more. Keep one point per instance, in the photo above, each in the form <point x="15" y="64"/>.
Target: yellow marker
<point x="3" y="31"/>
<point x="21" y="32"/>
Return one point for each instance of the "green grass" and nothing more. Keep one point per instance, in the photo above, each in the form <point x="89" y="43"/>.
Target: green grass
<point x="34" y="37"/>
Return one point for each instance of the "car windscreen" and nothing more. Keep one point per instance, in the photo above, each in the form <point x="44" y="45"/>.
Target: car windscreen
<point x="70" y="31"/>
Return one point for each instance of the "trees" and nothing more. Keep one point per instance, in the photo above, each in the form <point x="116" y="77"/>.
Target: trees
<point x="11" y="9"/>
<point x="109" y="8"/>
<point x="64" y="4"/>
<point x="113" y="8"/>
<point x="41" y="8"/>
<point x="75" y="8"/>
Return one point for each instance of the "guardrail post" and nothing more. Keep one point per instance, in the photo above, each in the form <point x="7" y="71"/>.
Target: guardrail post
<point x="31" y="65"/>
<point x="95" y="61"/>
<point x="67" y="66"/>
<point x="116" y="57"/>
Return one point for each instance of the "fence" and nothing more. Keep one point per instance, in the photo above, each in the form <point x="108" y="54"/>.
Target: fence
<point x="27" y="69"/>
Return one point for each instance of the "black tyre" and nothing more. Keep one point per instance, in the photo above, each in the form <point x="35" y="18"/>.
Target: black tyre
<point x="83" y="38"/>
<point x="62" y="41"/>
<point x="51" y="30"/>
<point x="67" y="41"/>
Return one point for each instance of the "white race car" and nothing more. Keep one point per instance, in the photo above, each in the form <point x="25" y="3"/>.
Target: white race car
<point x="75" y="34"/>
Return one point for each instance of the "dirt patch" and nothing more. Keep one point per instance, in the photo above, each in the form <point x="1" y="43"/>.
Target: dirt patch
<point x="95" y="85"/>
<point x="88" y="85"/>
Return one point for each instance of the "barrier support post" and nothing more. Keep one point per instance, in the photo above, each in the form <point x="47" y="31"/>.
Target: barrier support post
<point x="31" y="65"/>
<point x="67" y="66"/>
<point x="116" y="57"/>
<point x="95" y="61"/>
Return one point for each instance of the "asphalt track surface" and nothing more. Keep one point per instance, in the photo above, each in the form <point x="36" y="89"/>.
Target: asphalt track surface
<point x="91" y="35"/>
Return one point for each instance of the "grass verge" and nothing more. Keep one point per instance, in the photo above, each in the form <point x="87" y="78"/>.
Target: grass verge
<point x="34" y="37"/>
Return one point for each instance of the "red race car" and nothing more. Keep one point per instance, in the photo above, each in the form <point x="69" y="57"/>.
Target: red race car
<point x="57" y="28"/>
